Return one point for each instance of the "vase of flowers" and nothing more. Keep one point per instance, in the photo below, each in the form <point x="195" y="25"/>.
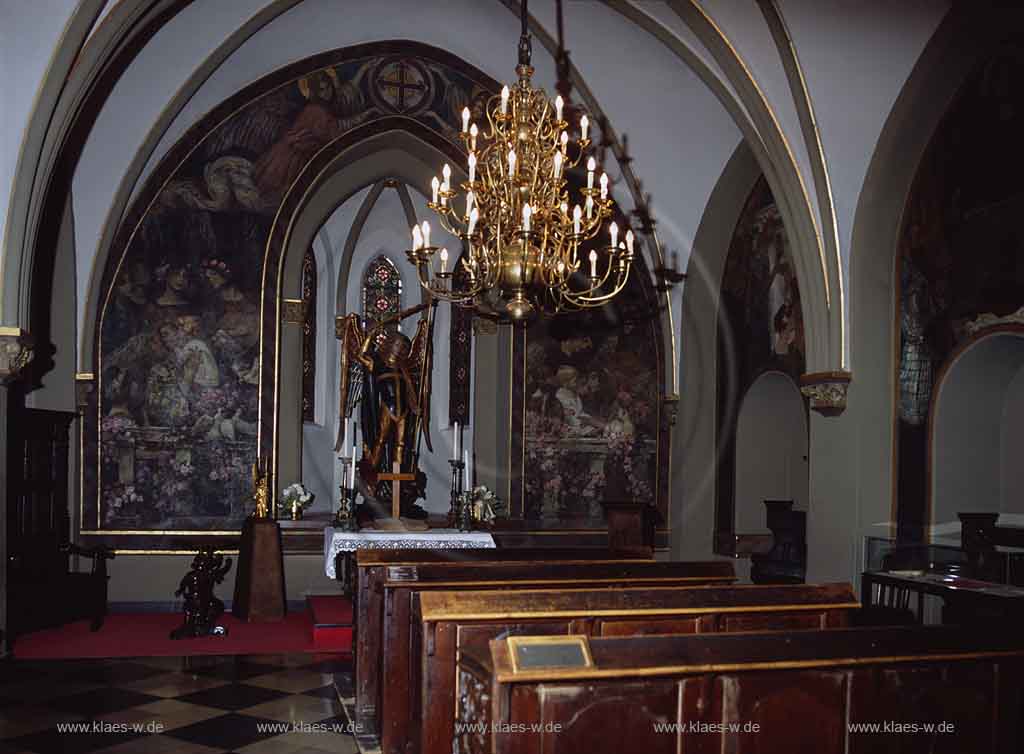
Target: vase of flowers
<point x="295" y="497"/>
<point x="483" y="505"/>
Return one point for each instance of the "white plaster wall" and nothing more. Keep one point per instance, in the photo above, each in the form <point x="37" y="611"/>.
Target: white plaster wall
<point x="771" y="450"/>
<point x="856" y="57"/>
<point x="744" y="26"/>
<point x="1012" y="494"/>
<point x="29" y="33"/>
<point x="967" y="440"/>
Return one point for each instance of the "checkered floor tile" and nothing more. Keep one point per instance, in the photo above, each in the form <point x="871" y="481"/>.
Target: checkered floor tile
<point x="182" y="705"/>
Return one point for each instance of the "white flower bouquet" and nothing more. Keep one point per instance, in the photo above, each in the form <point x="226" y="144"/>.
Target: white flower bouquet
<point x="296" y="495"/>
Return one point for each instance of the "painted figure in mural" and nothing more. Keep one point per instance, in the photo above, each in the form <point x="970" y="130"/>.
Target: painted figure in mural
<point x="316" y="124"/>
<point x="394" y="374"/>
<point x="916" y="372"/>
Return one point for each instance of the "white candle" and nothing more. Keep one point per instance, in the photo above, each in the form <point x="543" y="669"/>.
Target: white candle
<point x="593" y="263"/>
<point x="352" y="466"/>
<point x="504" y="100"/>
<point x="577" y="215"/>
<point x="455" y="447"/>
<point x="565" y="209"/>
<point x="604" y="185"/>
<point x="435" y="186"/>
<point x="614" y="230"/>
<point x="465" y="119"/>
<point x="565" y="141"/>
<point x="584" y="125"/>
<point x="426" y="233"/>
<point x="557" y="170"/>
<point x="465" y="457"/>
<point x="591" y="167"/>
<point x="444" y="261"/>
<point x="629" y="241"/>
<point x="473" y="131"/>
<point x="417" y="238"/>
<point x="446" y="171"/>
<point x="511" y="162"/>
<point x="526" y="218"/>
<point x="589" y="205"/>
<point x="473" y="217"/>
<point x="472" y="167"/>
<point x="559" y="104"/>
<point x="469" y="203"/>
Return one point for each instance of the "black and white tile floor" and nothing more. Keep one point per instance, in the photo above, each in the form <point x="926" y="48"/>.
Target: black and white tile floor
<point x="183" y="705"/>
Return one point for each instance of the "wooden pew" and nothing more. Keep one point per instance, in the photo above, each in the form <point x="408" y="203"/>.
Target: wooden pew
<point x="804" y="692"/>
<point x="385" y="589"/>
<point x="448" y="620"/>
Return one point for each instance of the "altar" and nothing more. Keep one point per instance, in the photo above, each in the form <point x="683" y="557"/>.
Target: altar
<point x="337" y="542"/>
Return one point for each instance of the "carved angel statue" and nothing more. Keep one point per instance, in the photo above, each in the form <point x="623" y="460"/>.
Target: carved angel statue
<point x="389" y="376"/>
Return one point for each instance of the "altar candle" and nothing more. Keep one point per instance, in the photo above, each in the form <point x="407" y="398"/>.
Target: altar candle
<point x="455" y="449"/>
<point x="465" y="461"/>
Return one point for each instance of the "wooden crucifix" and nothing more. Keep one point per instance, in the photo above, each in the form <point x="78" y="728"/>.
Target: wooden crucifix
<point x="396" y="477"/>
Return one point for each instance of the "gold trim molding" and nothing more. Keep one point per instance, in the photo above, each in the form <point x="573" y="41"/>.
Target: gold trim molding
<point x="293" y="311"/>
<point x="826" y="391"/>
<point x="15" y="353"/>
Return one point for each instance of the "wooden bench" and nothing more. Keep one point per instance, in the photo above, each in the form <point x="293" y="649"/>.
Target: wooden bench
<point x="449" y="620"/>
<point x="385" y="591"/>
<point x="841" y="691"/>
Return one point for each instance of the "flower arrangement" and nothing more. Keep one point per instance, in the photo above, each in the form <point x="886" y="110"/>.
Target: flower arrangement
<point x="484" y="504"/>
<point x="296" y="496"/>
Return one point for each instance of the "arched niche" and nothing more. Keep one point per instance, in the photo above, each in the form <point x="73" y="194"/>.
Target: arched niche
<point x="975" y="432"/>
<point x="771" y="449"/>
<point x="252" y="198"/>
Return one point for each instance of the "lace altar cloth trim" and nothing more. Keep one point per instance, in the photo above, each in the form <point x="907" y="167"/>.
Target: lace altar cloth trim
<point x="436" y="539"/>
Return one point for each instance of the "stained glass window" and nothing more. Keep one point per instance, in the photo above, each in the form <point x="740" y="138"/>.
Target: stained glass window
<point x="309" y="337"/>
<point x="382" y="295"/>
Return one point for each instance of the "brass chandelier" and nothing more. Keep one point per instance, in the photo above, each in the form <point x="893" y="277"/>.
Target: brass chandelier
<point x="522" y="238"/>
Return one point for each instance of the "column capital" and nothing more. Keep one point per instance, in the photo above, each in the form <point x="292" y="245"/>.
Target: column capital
<point x="15" y="352"/>
<point x="826" y="391"/>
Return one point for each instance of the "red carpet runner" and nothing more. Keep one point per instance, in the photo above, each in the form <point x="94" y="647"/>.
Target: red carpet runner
<point x="146" y="635"/>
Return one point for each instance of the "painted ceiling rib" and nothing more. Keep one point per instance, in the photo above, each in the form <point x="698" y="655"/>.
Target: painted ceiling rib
<point x="819" y="162"/>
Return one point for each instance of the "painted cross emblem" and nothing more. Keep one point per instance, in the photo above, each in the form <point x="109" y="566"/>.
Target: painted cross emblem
<point x="402" y="85"/>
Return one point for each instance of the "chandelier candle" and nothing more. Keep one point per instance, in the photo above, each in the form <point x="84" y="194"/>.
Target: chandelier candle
<point x="523" y="251"/>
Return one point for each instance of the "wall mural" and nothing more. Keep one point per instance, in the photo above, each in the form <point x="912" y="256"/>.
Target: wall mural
<point x="961" y="255"/>
<point x="760" y="326"/>
<point x="179" y="334"/>
<point x="587" y="425"/>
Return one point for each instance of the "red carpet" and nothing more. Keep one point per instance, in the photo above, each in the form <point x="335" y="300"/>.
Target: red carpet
<point x="146" y="635"/>
<point x="332" y="620"/>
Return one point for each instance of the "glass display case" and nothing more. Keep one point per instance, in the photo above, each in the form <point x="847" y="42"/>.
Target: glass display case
<point x="998" y="563"/>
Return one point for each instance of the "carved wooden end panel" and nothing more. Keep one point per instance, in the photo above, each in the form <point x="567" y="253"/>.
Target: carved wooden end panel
<point x="780" y="713"/>
<point x="473" y="721"/>
<point x="607" y="717"/>
<point x="927" y="710"/>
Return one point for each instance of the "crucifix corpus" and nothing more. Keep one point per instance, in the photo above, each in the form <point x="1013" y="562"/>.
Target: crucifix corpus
<point x="388" y="375"/>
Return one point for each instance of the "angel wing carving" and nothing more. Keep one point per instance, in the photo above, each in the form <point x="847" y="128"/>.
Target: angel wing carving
<point x="351" y="335"/>
<point x="421" y="359"/>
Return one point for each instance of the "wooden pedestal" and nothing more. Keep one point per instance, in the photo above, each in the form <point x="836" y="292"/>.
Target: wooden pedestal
<point x="259" y="582"/>
<point x="630" y="528"/>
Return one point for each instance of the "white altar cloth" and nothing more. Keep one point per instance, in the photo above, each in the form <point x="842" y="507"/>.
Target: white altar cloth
<point x="336" y="541"/>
